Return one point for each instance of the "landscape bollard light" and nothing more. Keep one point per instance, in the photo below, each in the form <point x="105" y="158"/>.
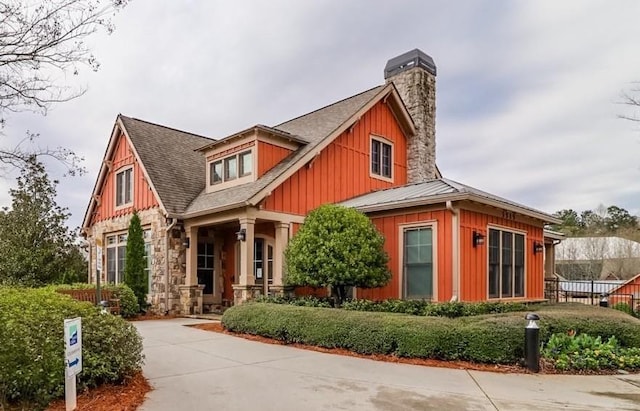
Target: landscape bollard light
<point x="532" y="342"/>
<point x="103" y="307"/>
<point x="604" y="301"/>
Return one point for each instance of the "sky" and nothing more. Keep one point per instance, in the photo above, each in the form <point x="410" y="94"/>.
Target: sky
<point x="528" y="92"/>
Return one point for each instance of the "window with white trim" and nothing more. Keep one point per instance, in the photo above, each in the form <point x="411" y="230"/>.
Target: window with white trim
<point x="418" y="262"/>
<point x="231" y="167"/>
<point x="116" y="256"/>
<point x="381" y="158"/>
<point x="124" y="187"/>
<point x="506" y="264"/>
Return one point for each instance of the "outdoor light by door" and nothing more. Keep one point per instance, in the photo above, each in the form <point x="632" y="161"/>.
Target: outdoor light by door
<point x="532" y="342"/>
<point x="537" y="247"/>
<point x="187" y="242"/>
<point x="478" y="239"/>
<point x="242" y="235"/>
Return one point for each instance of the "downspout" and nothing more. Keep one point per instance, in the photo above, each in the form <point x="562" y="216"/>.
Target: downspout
<point x="455" y="252"/>
<point x="174" y="221"/>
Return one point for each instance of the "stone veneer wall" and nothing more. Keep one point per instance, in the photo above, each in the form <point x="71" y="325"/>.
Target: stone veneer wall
<point x="154" y="220"/>
<point x="417" y="87"/>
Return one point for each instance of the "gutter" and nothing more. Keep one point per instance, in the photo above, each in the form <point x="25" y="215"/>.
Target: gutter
<point x="174" y="221"/>
<point x="455" y="250"/>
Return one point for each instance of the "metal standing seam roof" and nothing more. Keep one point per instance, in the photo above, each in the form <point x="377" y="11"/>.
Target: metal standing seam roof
<point x="437" y="189"/>
<point x="313" y="127"/>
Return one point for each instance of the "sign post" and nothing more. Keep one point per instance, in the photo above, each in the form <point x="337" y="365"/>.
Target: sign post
<point x="72" y="359"/>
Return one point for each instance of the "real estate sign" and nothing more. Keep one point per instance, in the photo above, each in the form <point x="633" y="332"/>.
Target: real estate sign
<point x="73" y="345"/>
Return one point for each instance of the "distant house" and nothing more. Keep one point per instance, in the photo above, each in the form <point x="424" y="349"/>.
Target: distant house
<point x="218" y="214"/>
<point x="606" y="258"/>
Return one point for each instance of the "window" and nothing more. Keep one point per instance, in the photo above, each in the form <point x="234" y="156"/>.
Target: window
<point x="506" y="264"/>
<point x="418" y="262"/>
<point x="230" y="168"/>
<point x="381" y="158"/>
<point x="205" y="266"/>
<point x="258" y="259"/>
<point x="116" y="256"/>
<point x="124" y="187"/>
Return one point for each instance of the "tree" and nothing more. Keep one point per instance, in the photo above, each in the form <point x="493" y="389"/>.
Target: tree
<point x="39" y="42"/>
<point x="135" y="275"/>
<point x="36" y="247"/>
<point x="337" y="247"/>
<point x="570" y="222"/>
<point x="618" y="218"/>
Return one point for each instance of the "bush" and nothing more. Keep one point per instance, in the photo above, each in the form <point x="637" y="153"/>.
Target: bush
<point x="491" y="338"/>
<point x="338" y="247"/>
<point x="128" y="301"/>
<point x="624" y="307"/>
<point x="585" y="352"/>
<point x="32" y="345"/>
<point x="423" y="307"/>
<point x="306" y="301"/>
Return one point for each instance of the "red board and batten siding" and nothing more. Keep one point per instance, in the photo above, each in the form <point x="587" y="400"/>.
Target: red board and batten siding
<point x="269" y="155"/>
<point x="143" y="196"/>
<point x="389" y="227"/>
<point x="341" y="171"/>
<point x="474" y="261"/>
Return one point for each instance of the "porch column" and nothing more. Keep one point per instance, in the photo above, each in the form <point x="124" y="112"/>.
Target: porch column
<point x="282" y="238"/>
<point x="192" y="256"/>
<point x="243" y="290"/>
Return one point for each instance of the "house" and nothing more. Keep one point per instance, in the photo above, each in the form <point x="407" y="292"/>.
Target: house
<point x="593" y="258"/>
<point x="218" y="214"/>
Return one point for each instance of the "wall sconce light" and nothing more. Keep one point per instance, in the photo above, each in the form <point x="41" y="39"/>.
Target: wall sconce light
<point x="242" y="235"/>
<point x="537" y="247"/>
<point x="478" y="239"/>
<point x="187" y="242"/>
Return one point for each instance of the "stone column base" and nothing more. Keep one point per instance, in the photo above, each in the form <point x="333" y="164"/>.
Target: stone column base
<point x="281" y="290"/>
<point x="191" y="299"/>
<point x="242" y="293"/>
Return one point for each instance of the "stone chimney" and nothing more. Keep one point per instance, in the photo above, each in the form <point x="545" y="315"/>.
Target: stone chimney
<point x="414" y="75"/>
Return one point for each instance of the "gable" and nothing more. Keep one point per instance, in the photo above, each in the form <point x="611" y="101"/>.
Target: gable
<point x="341" y="170"/>
<point x="122" y="157"/>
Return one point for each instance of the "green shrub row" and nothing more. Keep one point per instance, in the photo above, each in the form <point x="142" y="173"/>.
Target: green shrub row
<point x="413" y="307"/>
<point x="128" y="302"/>
<point x="584" y="352"/>
<point x="32" y="345"/>
<point x="496" y="338"/>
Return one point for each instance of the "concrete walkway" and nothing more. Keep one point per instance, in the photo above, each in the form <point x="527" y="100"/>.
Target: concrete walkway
<point x="192" y="369"/>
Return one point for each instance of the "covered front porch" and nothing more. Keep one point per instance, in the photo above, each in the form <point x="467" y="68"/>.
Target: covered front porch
<point x="234" y="257"/>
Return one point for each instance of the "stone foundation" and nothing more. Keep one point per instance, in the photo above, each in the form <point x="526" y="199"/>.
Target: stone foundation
<point x="191" y="299"/>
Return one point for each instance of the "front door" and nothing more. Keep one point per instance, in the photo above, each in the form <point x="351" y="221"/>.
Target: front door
<point x="205" y="268"/>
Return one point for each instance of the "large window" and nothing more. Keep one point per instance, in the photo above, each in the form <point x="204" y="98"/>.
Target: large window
<point x="506" y="264"/>
<point x="418" y="262"/>
<point x="124" y="187"/>
<point x="116" y="256"/>
<point x="230" y="168"/>
<point x="205" y="266"/>
<point x="381" y="158"/>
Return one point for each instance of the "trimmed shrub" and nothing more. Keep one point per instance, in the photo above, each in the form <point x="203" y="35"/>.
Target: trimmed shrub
<point x="32" y="345"/>
<point x="305" y="301"/>
<point x="491" y="338"/>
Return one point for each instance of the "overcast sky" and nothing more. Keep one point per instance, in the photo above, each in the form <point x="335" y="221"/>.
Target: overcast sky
<point x="527" y="91"/>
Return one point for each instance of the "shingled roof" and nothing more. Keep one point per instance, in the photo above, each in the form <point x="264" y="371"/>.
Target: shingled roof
<point x="175" y="169"/>
<point x="314" y="128"/>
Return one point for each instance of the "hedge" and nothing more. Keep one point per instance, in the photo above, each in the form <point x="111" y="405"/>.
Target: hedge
<point x="32" y="346"/>
<point x="128" y="302"/>
<point x="496" y="338"/>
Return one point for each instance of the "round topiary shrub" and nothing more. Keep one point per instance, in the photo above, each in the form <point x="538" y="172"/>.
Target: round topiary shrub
<point x="32" y="345"/>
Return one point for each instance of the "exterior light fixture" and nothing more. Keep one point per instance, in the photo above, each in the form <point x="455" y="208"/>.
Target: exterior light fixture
<point x="478" y="239"/>
<point x="187" y="242"/>
<point x="532" y="342"/>
<point x="537" y="247"/>
<point x="241" y="235"/>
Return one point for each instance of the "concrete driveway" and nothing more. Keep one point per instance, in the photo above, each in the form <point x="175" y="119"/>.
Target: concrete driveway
<point x="192" y="369"/>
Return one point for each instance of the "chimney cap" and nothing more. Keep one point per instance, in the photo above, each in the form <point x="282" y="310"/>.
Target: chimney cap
<point x="409" y="60"/>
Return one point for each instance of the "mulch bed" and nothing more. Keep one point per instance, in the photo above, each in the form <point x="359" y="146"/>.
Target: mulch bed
<point x="110" y="397"/>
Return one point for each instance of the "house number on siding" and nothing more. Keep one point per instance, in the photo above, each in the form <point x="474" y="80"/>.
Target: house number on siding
<point x="508" y="215"/>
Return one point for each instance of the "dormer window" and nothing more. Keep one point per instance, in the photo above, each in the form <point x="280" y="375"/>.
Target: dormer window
<point x="231" y="167"/>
